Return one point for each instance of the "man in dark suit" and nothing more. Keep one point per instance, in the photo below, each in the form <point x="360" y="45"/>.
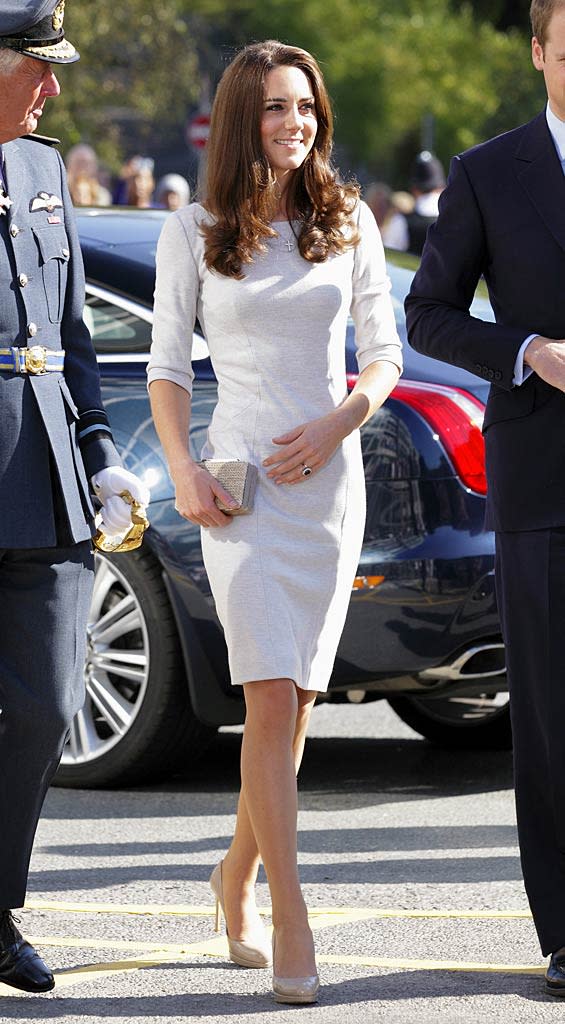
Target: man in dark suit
<point x="55" y="448"/>
<point x="503" y="216"/>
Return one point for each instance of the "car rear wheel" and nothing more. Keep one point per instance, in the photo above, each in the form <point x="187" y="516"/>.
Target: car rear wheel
<point x="137" y="722"/>
<point x="470" y="723"/>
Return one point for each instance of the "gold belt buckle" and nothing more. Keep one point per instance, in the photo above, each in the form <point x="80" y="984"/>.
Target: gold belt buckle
<point x="134" y="535"/>
<point x="35" y="359"/>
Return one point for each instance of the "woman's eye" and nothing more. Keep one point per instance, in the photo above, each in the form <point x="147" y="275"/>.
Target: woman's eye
<point x="274" y="106"/>
<point x="309" y="108"/>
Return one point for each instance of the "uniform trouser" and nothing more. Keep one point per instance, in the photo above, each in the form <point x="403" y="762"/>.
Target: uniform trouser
<point x="530" y="580"/>
<point x="44" y="601"/>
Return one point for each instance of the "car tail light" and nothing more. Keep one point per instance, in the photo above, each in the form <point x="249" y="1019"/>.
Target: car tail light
<point x="456" y="418"/>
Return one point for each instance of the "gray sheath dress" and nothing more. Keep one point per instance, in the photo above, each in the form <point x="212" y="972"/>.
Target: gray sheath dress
<point x="282" y="576"/>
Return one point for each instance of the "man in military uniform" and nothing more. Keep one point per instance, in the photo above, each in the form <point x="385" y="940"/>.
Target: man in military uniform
<point x="55" y="447"/>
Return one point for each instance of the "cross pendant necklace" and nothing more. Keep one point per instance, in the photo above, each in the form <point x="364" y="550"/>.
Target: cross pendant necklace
<point x="289" y="245"/>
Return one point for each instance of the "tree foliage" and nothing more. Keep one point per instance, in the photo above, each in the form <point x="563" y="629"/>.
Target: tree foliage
<point x="502" y="13"/>
<point x="138" y="74"/>
<point x="388" y="66"/>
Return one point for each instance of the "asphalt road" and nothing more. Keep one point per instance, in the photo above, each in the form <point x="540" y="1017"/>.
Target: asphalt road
<point x="409" y="862"/>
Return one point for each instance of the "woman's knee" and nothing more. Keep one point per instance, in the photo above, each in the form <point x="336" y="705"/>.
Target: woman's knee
<point x="271" y="702"/>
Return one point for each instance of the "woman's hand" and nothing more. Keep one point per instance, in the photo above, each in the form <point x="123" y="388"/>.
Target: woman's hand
<point x="310" y="445"/>
<point x="195" y="491"/>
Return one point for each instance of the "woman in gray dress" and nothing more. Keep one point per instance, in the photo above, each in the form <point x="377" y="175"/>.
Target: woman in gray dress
<point x="271" y="264"/>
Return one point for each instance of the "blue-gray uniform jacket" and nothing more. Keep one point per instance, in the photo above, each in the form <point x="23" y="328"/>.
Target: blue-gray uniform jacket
<point x="54" y="433"/>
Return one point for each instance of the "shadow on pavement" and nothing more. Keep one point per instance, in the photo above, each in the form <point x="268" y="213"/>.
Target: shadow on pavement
<point x="360" y="771"/>
<point x="370" y="989"/>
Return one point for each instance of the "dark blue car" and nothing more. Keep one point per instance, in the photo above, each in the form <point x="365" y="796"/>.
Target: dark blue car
<point x="422" y="629"/>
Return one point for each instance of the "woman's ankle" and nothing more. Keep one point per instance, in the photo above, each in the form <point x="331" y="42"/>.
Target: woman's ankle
<point x="291" y="920"/>
<point x="239" y="872"/>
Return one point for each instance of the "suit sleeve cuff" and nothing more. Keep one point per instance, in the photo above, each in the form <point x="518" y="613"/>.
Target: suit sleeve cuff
<point x="521" y="372"/>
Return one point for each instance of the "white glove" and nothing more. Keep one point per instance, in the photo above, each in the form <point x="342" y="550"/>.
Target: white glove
<point x="115" y="514"/>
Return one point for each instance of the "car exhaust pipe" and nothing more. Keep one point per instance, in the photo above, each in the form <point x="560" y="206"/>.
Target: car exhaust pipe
<point x="486" y="661"/>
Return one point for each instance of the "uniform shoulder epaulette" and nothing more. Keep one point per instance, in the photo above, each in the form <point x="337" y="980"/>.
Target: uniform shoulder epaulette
<point x="45" y="139"/>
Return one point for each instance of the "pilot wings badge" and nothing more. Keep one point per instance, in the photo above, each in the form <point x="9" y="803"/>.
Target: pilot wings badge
<point x="5" y="202"/>
<point x="45" y="201"/>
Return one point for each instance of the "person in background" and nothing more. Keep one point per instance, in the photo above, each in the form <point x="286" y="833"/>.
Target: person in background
<point x="56" y="451"/>
<point x="390" y="222"/>
<point x="427" y="183"/>
<point x="141" y="183"/>
<point x="172" y="192"/>
<point x="126" y="192"/>
<point x="403" y="202"/>
<point x="83" y="177"/>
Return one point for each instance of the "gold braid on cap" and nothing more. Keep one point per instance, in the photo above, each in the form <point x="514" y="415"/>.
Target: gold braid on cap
<point x="58" y="15"/>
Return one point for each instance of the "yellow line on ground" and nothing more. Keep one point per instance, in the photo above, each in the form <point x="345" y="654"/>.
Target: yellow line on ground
<point x="213" y="947"/>
<point x="80" y="975"/>
<point x="146" y="909"/>
<point x="96" y="972"/>
<point x="199" y="910"/>
<point x="402" y="964"/>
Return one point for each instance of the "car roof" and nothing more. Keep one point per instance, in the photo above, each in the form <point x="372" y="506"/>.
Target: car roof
<point x="119" y="247"/>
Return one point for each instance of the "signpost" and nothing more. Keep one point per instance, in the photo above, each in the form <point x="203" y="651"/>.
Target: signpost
<point x="197" y="130"/>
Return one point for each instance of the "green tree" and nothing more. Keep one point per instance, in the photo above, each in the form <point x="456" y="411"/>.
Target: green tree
<point x="137" y="77"/>
<point x="502" y="13"/>
<point x="388" y="66"/>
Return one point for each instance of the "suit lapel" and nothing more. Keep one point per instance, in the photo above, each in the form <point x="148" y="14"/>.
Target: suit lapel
<point x="539" y="172"/>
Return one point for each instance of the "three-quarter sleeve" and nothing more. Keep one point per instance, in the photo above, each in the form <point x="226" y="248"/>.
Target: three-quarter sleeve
<point x="376" y="337"/>
<point x="177" y="287"/>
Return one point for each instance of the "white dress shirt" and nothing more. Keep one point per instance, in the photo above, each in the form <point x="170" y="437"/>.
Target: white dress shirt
<point x="557" y="129"/>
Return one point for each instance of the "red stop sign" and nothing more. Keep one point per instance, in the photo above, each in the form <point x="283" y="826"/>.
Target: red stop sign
<point x="198" y="130"/>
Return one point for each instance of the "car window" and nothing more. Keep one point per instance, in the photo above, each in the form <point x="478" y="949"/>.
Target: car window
<point x="115" y="328"/>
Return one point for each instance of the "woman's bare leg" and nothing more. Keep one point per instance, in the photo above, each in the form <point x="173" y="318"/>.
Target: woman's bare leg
<point x="241" y="863"/>
<point x="269" y="788"/>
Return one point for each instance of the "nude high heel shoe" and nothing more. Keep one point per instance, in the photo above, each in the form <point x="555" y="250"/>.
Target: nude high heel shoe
<point x="245" y="954"/>
<point x="294" y="990"/>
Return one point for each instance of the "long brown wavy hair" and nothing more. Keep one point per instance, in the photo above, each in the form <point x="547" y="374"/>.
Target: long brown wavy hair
<point x="240" y="184"/>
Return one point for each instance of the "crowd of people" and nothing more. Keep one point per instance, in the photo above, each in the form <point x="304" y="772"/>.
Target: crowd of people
<point x="403" y="217"/>
<point x="90" y="185"/>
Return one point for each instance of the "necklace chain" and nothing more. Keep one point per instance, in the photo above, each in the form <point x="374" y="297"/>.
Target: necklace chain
<point x="286" y="242"/>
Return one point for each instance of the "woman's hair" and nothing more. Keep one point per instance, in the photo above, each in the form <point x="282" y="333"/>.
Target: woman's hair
<point x="541" y="13"/>
<point x="240" y="184"/>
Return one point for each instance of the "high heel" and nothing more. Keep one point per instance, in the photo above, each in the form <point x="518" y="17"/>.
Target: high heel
<point x="294" y="990"/>
<point x="245" y="954"/>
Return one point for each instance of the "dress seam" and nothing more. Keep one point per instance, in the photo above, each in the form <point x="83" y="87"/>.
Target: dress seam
<point x="314" y="646"/>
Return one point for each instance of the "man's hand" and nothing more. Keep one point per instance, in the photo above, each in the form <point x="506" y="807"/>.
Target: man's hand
<point x="546" y="356"/>
<point x="115" y="512"/>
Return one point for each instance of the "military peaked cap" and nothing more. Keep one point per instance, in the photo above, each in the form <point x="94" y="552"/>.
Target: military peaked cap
<point x="35" y="29"/>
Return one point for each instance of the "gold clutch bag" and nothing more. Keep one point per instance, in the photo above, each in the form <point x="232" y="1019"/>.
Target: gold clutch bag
<point x="131" y="538"/>
<point x="238" y="478"/>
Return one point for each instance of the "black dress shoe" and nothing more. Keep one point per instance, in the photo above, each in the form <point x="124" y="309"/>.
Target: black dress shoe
<point x="20" y="964"/>
<point x="555" y="974"/>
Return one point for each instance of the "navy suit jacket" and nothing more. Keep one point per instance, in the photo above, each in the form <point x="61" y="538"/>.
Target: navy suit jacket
<point x="54" y="433"/>
<point x="502" y="215"/>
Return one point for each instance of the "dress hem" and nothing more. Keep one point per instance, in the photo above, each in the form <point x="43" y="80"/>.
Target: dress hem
<point x="265" y="678"/>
